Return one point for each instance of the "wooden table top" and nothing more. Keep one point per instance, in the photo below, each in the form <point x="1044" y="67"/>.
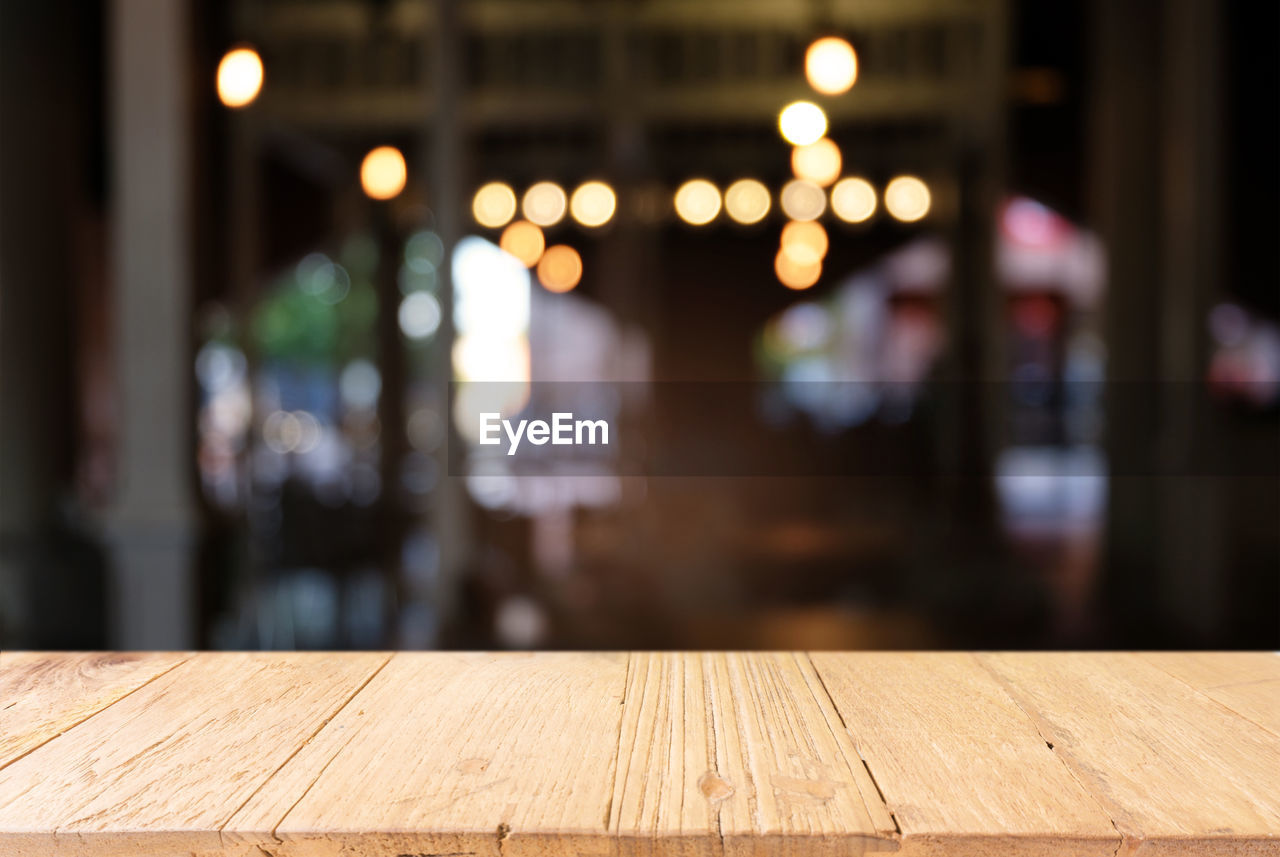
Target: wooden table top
<point x="689" y="754"/>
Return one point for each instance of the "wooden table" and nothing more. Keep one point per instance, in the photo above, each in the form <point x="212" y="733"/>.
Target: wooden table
<point x="689" y="754"/>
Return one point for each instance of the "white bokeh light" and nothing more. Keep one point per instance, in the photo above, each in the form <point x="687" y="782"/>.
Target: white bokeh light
<point x="491" y="290"/>
<point x="419" y="315"/>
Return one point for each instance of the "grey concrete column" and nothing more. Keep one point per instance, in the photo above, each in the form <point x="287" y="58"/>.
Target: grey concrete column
<point x="151" y="525"/>
<point x="450" y="513"/>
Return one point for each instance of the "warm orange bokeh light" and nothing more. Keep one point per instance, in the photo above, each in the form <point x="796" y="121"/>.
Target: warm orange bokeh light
<point x="907" y="198"/>
<point x="593" y="204"/>
<point x="560" y="268"/>
<point x="747" y="201"/>
<point x="239" y="77"/>
<point x="804" y="242"/>
<point x="817" y="162"/>
<point x="853" y="199"/>
<point x="524" y="241"/>
<point x="792" y="275"/>
<point x="802" y="123"/>
<point x="795" y="276"/>
<point x="697" y="202"/>
<point x="544" y="204"/>
<point x="494" y="205"/>
<point x="831" y="65"/>
<point x="802" y="200"/>
<point x="383" y="173"/>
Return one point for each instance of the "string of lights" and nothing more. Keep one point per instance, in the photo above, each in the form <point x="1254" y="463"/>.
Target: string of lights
<point x="819" y="186"/>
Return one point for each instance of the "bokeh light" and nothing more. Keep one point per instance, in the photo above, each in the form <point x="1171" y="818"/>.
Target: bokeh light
<point x="697" y="202"/>
<point x="907" y="198"/>
<point x="524" y="241"/>
<point x="853" y="199"/>
<point x="802" y="200"/>
<point x="831" y="65"/>
<point x="804" y="242"/>
<point x="494" y="205"/>
<point x="560" y="268"/>
<point x="593" y="203"/>
<point x="491" y="291"/>
<point x="793" y="275"/>
<point x="423" y="252"/>
<point x="239" y="77"/>
<point x="544" y="204"/>
<point x="419" y="315"/>
<point x="383" y="173"/>
<point x="491" y="314"/>
<point x="802" y="123"/>
<point x="504" y="363"/>
<point x="318" y="276"/>
<point x="817" y="162"/>
<point x="296" y="431"/>
<point x="360" y="384"/>
<point x="747" y="201"/>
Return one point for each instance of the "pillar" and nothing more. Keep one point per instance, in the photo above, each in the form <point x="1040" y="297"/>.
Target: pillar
<point x="151" y="525"/>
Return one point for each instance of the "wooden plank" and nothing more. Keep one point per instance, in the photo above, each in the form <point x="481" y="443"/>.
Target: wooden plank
<point x="737" y="754"/>
<point x="962" y="768"/>
<point x="43" y="694"/>
<point x="1177" y="772"/>
<point x="648" y="755"/>
<point x="1205" y="670"/>
<point x="1248" y="683"/>
<point x="466" y="754"/>
<point x="160" y="771"/>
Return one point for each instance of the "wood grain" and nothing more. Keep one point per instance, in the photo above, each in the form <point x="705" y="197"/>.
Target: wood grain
<point x="1248" y="683"/>
<point x="641" y="755"/>
<point x="162" y="769"/>
<point x="42" y="694"/>
<point x="737" y="754"/>
<point x="1177" y="773"/>
<point x="475" y="754"/>
<point x="960" y="765"/>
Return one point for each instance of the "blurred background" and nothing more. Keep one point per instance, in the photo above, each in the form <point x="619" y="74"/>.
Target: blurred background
<point x="1010" y="267"/>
